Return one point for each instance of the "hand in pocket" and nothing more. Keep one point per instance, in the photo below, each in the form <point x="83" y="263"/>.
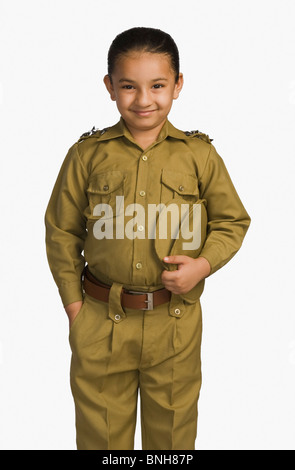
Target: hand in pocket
<point x="72" y="310"/>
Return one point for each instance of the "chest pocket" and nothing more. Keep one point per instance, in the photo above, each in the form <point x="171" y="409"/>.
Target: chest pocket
<point x="103" y="192"/>
<point x="177" y="185"/>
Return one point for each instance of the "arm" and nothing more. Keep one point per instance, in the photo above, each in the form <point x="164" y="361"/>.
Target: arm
<point x="66" y="228"/>
<point x="228" y="223"/>
<point x="228" y="220"/>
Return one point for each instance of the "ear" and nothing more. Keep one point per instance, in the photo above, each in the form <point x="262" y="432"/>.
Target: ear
<point x="109" y="87"/>
<point x="178" y="87"/>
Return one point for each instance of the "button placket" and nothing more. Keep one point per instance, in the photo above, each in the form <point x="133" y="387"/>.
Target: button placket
<point x="142" y="192"/>
<point x="139" y="243"/>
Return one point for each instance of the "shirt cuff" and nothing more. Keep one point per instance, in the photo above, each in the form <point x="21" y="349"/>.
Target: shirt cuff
<point x="71" y="292"/>
<point x="213" y="259"/>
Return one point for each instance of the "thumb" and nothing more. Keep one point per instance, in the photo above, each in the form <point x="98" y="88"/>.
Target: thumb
<point x="176" y="259"/>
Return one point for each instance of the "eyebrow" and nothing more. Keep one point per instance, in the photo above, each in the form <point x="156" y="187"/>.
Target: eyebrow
<point x="133" y="81"/>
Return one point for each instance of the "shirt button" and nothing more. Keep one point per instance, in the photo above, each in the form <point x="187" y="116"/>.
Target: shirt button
<point x="177" y="311"/>
<point x="138" y="265"/>
<point x="106" y="187"/>
<point x="117" y="317"/>
<point x="142" y="193"/>
<point x="140" y="228"/>
<point x="144" y="158"/>
<point x="181" y="188"/>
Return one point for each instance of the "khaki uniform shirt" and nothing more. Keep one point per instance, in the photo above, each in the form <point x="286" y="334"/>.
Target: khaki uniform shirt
<point x="98" y="211"/>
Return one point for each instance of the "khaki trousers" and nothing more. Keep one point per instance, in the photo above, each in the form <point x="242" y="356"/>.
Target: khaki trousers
<point x="115" y="352"/>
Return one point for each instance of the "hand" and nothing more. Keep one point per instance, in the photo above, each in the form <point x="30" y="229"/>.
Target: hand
<point x="189" y="273"/>
<point x="72" y="310"/>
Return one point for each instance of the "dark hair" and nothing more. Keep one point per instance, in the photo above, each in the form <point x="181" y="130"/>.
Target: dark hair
<point x="145" y="40"/>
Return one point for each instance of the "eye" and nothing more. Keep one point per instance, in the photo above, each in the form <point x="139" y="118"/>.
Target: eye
<point x="127" y="87"/>
<point x="158" y="85"/>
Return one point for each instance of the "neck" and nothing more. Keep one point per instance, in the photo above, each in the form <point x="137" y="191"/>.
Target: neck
<point x="145" y="138"/>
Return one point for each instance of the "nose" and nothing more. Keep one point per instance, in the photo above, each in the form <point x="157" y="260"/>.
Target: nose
<point x="143" y="98"/>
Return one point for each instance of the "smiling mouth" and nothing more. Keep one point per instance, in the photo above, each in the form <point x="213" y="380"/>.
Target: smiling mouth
<point x="144" y="113"/>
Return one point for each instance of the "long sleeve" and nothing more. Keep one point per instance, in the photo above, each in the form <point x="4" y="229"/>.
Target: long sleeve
<point x="66" y="227"/>
<point x="228" y="220"/>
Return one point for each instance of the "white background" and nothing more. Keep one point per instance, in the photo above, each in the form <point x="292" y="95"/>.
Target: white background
<point x="238" y="62"/>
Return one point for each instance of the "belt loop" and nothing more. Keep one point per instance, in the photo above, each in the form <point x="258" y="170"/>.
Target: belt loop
<point x="176" y="306"/>
<point x="116" y="312"/>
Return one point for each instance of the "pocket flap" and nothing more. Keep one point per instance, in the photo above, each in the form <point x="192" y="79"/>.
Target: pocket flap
<point x="182" y="183"/>
<point x="106" y="183"/>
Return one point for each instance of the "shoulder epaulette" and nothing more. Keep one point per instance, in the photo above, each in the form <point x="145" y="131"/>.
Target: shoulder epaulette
<point x="199" y="135"/>
<point x="94" y="131"/>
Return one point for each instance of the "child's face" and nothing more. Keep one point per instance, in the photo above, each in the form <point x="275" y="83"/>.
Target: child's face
<point x="143" y="86"/>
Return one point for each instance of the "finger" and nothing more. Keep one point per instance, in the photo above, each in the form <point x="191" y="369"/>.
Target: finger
<point x="170" y="276"/>
<point x="170" y="286"/>
<point x="173" y="290"/>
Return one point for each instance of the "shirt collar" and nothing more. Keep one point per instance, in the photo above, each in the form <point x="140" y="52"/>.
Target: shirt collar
<point x="174" y="132"/>
<point x="120" y="129"/>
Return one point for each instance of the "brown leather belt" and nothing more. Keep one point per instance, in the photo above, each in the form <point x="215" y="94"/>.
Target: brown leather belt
<point x="129" y="299"/>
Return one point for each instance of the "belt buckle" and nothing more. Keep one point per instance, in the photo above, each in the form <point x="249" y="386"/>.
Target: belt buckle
<point x="149" y="301"/>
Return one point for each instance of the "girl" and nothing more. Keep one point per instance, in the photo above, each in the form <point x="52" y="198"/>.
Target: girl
<point x="125" y="203"/>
